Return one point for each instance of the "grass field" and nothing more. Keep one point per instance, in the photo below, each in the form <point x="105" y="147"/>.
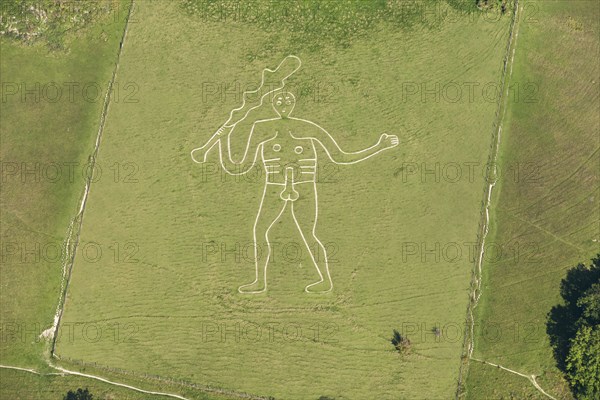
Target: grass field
<point x="47" y="130"/>
<point x="152" y="300"/>
<point x="174" y="300"/>
<point x="50" y="113"/>
<point x="47" y="127"/>
<point x="550" y="214"/>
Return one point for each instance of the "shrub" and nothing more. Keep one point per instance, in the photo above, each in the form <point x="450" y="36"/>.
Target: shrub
<point x="400" y="342"/>
<point x="80" y="394"/>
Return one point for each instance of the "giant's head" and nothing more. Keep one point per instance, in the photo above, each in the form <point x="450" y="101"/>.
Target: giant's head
<point x="283" y="104"/>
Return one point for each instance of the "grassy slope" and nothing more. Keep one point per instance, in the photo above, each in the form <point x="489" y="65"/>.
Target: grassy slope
<point x="38" y="213"/>
<point x="171" y="293"/>
<point x="555" y="211"/>
<point x="44" y="132"/>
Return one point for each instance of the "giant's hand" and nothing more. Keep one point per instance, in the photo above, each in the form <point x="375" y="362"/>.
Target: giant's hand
<point x="387" y="141"/>
<point x="200" y="154"/>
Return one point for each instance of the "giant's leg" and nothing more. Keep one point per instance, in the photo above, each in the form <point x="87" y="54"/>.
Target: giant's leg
<point x="305" y="213"/>
<point x="270" y="209"/>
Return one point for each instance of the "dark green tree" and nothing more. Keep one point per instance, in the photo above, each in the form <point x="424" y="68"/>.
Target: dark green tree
<point x="574" y="330"/>
<point x="80" y="394"/>
<point x="589" y="303"/>
<point x="583" y="363"/>
<point x="565" y="319"/>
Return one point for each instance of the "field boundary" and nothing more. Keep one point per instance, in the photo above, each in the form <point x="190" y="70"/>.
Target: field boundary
<point x="72" y="241"/>
<point x="70" y="247"/>
<point x="490" y="182"/>
<point x="72" y="238"/>
<point x="491" y="179"/>
<point x="166" y="380"/>
<point x="32" y="371"/>
<point x="65" y="372"/>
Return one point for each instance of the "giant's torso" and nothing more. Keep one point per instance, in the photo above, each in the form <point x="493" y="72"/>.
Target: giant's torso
<point x="290" y="149"/>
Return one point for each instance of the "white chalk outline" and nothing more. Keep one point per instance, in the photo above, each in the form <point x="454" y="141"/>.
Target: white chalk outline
<point x="327" y="142"/>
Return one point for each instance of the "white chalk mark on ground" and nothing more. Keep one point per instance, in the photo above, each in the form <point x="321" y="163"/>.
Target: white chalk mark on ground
<point x="295" y="171"/>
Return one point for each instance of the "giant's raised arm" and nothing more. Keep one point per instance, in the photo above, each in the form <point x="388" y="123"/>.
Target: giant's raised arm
<point x="221" y="140"/>
<point x="339" y="156"/>
<point x="275" y="79"/>
<point x="200" y="154"/>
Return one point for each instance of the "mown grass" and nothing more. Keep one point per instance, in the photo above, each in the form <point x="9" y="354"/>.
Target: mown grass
<point x="49" y="136"/>
<point x="547" y="219"/>
<point x="169" y="296"/>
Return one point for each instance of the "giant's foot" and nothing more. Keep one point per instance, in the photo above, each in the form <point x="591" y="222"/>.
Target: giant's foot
<point x="254" y="287"/>
<point x="322" y="286"/>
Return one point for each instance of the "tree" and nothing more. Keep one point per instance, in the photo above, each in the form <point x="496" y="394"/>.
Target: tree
<point x="583" y="363"/>
<point x="589" y="303"/>
<point x="574" y="330"/>
<point x="81" y="394"/>
<point x="564" y="320"/>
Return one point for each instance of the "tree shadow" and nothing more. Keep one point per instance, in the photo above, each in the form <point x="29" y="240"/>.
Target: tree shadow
<point x="563" y="320"/>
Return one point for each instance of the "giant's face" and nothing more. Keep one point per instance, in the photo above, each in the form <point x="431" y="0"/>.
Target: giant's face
<point x="283" y="104"/>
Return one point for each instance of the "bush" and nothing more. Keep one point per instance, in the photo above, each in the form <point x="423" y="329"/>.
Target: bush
<point x="31" y="20"/>
<point x="400" y="342"/>
<point x="81" y="394"/>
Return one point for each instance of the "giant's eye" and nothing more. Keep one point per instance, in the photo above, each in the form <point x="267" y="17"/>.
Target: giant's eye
<point x="288" y="102"/>
<point x="278" y="102"/>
